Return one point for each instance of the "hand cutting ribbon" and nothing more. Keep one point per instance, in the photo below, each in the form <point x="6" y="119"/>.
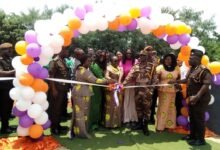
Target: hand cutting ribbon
<point x="116" y="87"/>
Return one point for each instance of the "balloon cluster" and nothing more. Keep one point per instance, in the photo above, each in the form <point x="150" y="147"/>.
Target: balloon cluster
<point x="49" y="36"/>
<point x="183" y="119"/>
<point x="29" y="92"/>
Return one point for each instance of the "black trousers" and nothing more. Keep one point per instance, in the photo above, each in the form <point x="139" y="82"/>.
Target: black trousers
<point x="56" y="108"/>
<point x="197" y="118"/>
<point x="154" y="103"/>
<point x="6" y="105"/>
<point x="178" y="103"/>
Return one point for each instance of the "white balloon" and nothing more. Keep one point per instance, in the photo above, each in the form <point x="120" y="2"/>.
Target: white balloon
<point x="200" y="48"/>
<point x="212" y="100"/>
<point x="46" y="51"/>
<point x="16" y="62"/>
<point x="176" y="46"/>
<point x="43" y="26"/>
<point x="23" y="105"/>
<point x="83" y="28"/>
<point x="27" y="93"/>
<point x="145" y="30"/>
<point x="42" y="119"/>
<point x="194" y="42"/>
<point x="35" y="111"/>
<point x="68" y="14"/>
<point x="59" y="19"/>
<point x="45" y="105"/>
<point x="39" y="98"/>
<point x="15" y="93"/>
<point x="16" y="83"/>
<point x="102" y="24"/>
<point x="44" y="60"/>
<point x="56" y="41"/>
<point x="22" y="131"/>
<point x="43" y="39"/>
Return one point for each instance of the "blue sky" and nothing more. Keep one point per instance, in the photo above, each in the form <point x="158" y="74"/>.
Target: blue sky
<point x="210" y="7"/>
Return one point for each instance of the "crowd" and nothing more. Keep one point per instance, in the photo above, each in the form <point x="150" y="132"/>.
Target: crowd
<point x="94" y="107"/>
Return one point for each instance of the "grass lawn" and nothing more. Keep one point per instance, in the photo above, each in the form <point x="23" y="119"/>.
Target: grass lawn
<point x="125" y="139"/>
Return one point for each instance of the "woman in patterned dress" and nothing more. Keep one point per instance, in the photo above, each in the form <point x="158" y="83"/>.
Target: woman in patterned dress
<point x="113" y="107"/>
<point x="81" y="96"/>
<point x="166" y="113"/>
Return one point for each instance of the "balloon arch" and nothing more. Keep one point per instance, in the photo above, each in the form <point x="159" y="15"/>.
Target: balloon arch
<point x="50" y="35"/>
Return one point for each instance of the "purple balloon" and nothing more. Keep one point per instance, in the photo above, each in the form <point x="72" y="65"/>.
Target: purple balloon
<point x="17" y="112"/>
<point x="33" y="50"/>
<point x="145" y="12"/>
<point x="216" y="79"/>
<point x="172" y="39"/>
<point x="133" y="25"/>
<point x="34" y="69"/>
<point x="43" y="73"/>
<point x="122" y="28"/>
<point x="80" y="12"/>
<point x="184" y="39"/>
<point x="46" y="125"/>
<point x="207" y="116"/>
<point x="88" y="8"/>
<point x="25" y="121"/>
<point x="76" y="33"/>
<point x="184" y="102"/>
<point x="30" y="36"/>
<point x="181" y="120"/>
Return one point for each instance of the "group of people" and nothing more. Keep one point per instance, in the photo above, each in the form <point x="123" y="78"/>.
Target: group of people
<point x="95" y="106"/>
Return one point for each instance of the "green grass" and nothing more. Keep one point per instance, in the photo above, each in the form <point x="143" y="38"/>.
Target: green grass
<point x="125" y="139"/>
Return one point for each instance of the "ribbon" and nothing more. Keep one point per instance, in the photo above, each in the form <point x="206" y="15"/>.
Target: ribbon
<point x="93" y="84"/>
<point x="116" y="88"/>
<point x="6" y="78"/>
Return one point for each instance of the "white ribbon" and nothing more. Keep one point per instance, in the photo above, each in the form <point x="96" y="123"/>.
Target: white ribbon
<point x="6" y="78"/>
<point x="85" y="83"/>
<point x="116" y="91"/>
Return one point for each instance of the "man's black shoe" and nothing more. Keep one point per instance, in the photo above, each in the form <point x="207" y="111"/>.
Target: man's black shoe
<point x="197" y="142"/>
<point x="55" y="131"/>
<point x="6" y="131"/>
<point x="187" y="138"/>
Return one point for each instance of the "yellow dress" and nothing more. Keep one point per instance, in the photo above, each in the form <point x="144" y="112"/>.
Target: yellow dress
<point x="166" y="113"/>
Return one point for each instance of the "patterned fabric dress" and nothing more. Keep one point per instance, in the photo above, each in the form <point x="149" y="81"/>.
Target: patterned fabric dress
<point x="166" y="113"/>
<point x="113" y="113"/>
<point x="97" y="99"/>
<point x="81" y="95"/>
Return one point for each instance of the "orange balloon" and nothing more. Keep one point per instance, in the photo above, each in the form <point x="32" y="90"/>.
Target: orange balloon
<point x="183" y="86"/>
<point x="67" y="42"/>
<point x="170" y="29"/>
<point x="181" y="57"/>
<point x="187" y="62"/>
<point x="40" y="85"/>
<point x="74" y="23"/>
<point x="214" y="67"/>
<point x="26" y="59"/>
<point x="66" y="33"/>
<point x="26" y="79"/>
<point x="184" y="111"/>
<point x="159" y="31"/>
<point x="125" y="19"/>
<point x="113" y="25"/>
<point x="205" y="60"/>
<point x="185" y="50"/>
<point x="35" y="131"/>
